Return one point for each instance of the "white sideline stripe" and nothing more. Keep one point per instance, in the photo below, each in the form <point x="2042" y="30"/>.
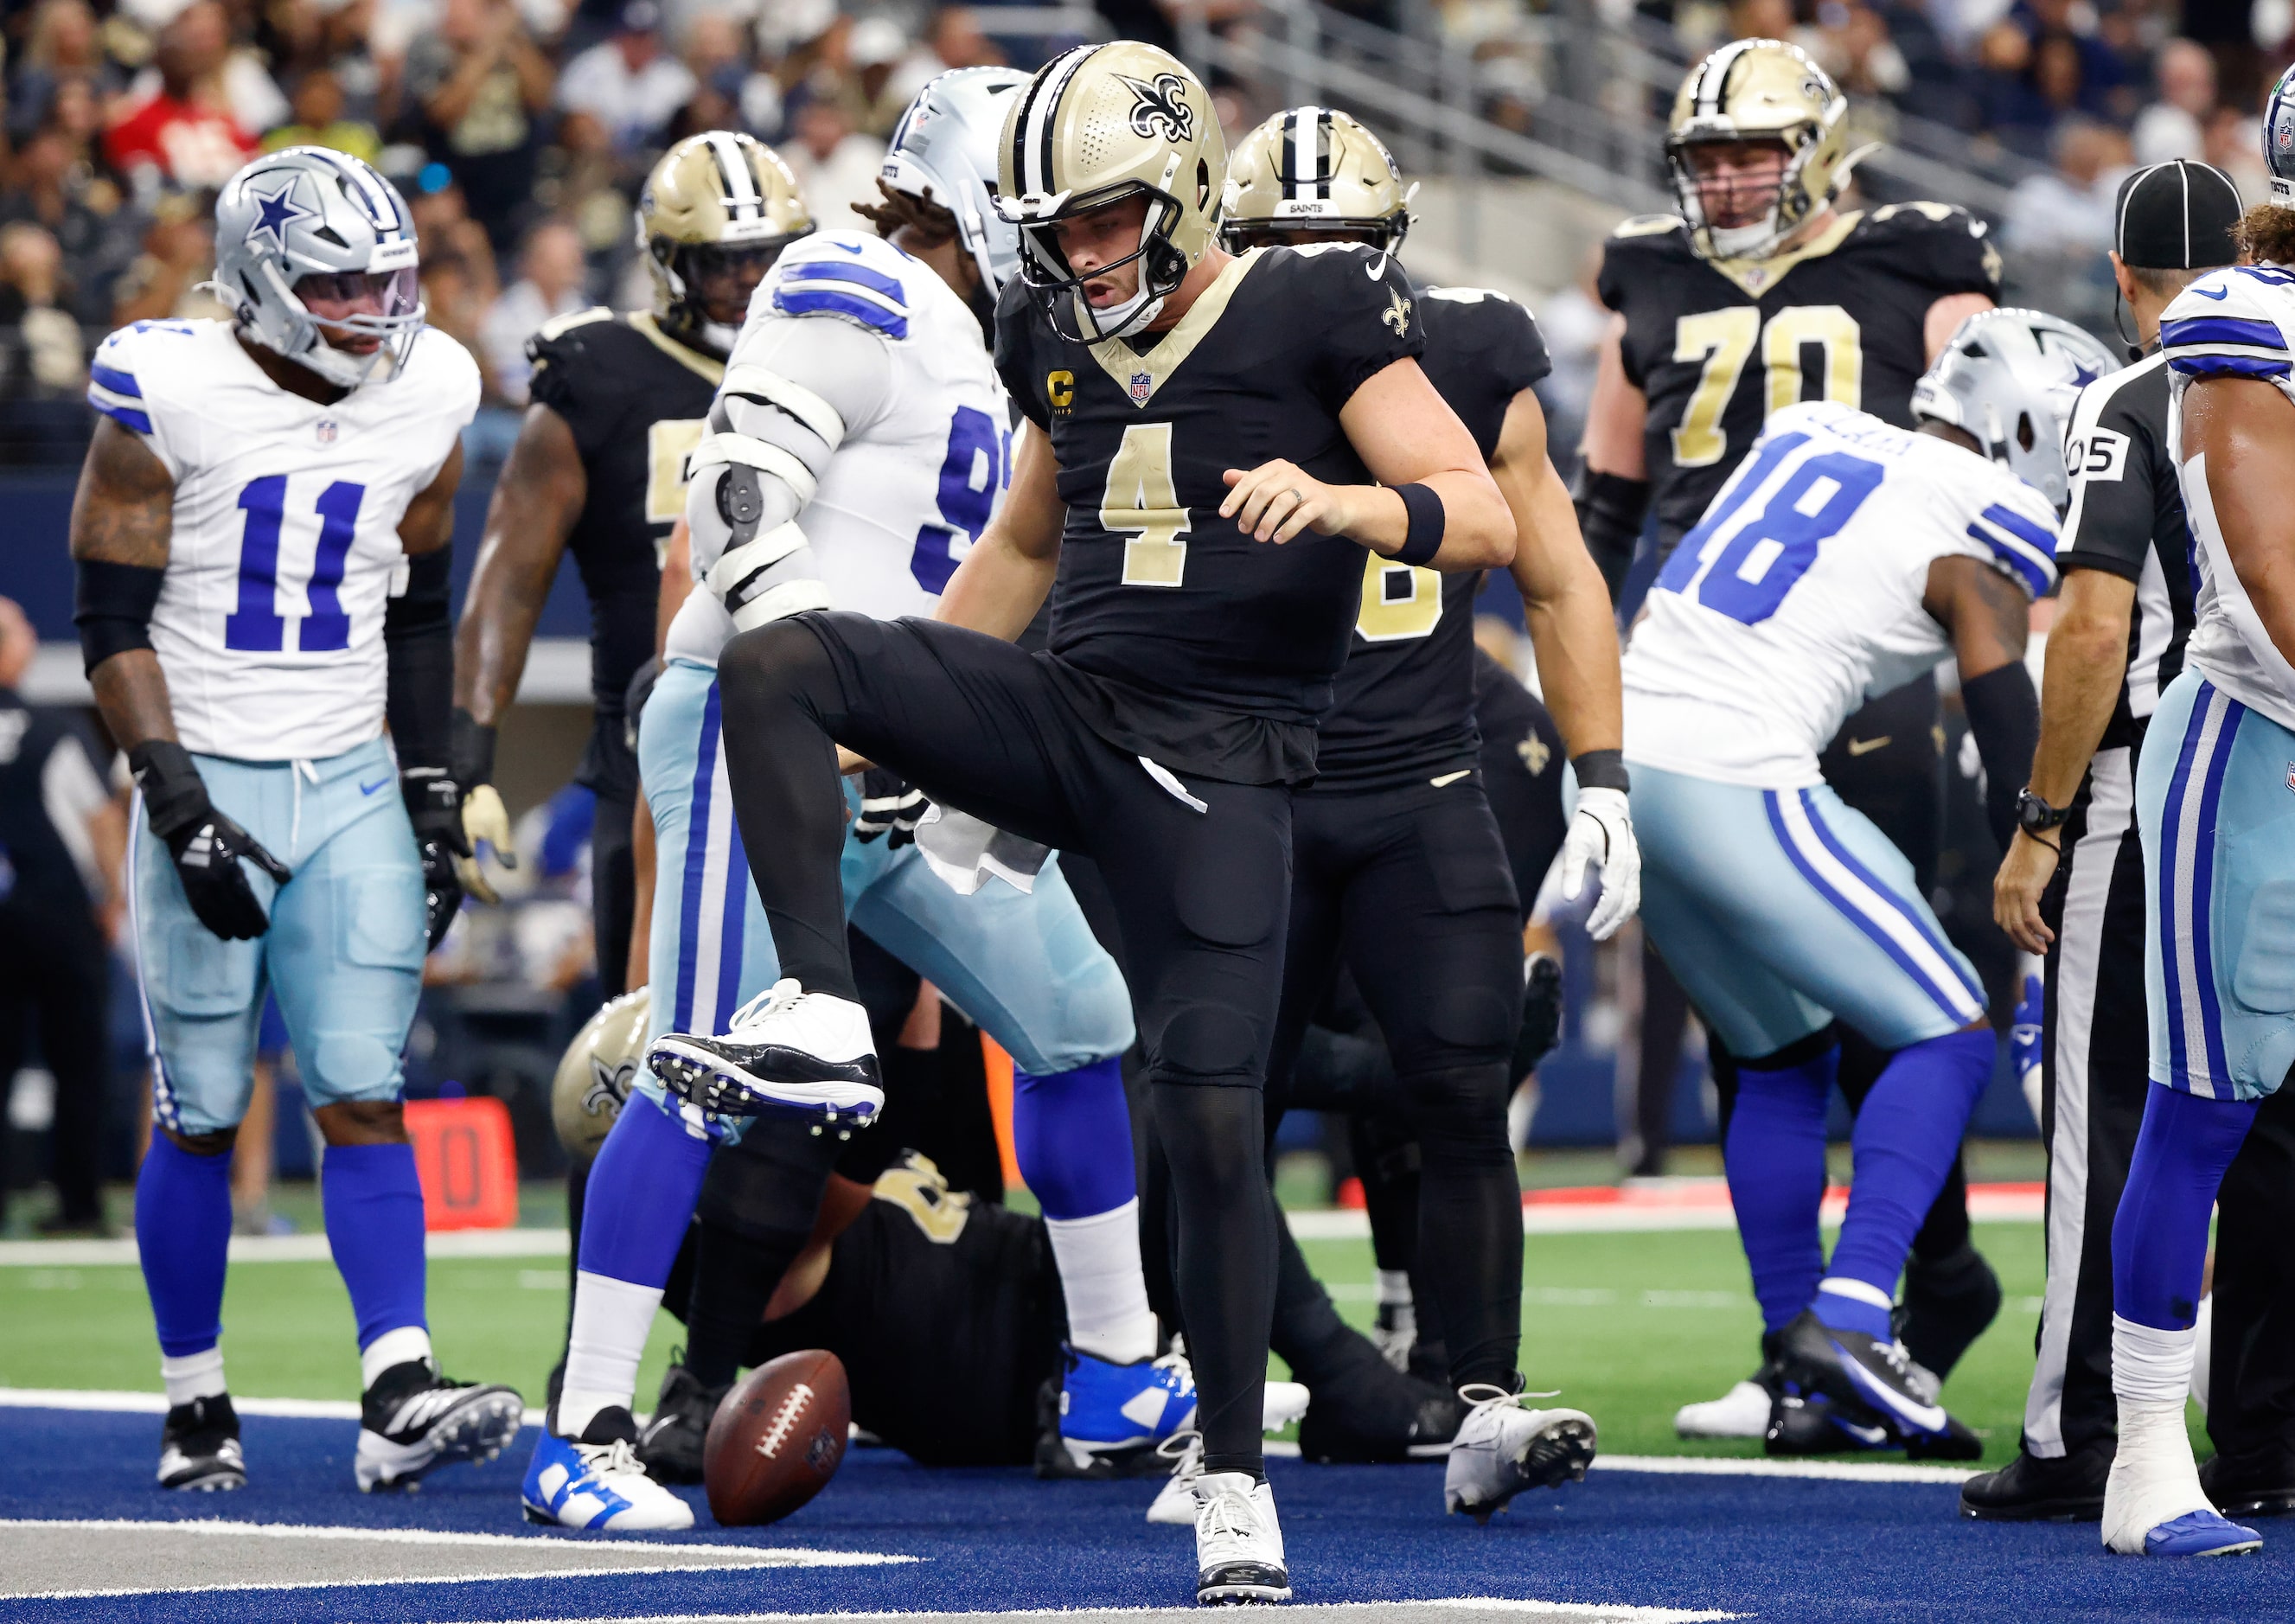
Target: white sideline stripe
<point x="156" y="1404"/>
<point x="293" y="1248"/>
<point x="1621" y="1611"/>
<point x="1836" y="1471"/>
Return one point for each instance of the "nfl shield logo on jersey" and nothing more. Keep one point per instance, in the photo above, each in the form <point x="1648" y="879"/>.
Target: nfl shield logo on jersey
<point x="1142" y="385"/>
<point x="326" y="431"/>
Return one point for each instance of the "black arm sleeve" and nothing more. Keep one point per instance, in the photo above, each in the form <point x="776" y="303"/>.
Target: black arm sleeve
<point x="111" y="606"/>
<point x="1610" y="508"/>
<point x="2004" y="716"/>
<point x="418" y="637"/>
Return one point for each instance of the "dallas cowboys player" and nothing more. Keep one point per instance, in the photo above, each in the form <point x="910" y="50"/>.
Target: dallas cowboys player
<point x="261" y="540"/>
<point x="1842" y="558"/>
<point x="858" y="444"/>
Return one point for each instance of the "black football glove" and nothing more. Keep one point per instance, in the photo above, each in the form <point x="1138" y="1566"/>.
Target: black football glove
<point x="434" y="805"/>
<point x="207" y="846"/>
<point x="1542" y="1016"/>
<point x="889" y="805"/>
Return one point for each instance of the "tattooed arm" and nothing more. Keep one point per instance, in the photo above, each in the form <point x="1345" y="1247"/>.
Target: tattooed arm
<point x="121" y="515"/>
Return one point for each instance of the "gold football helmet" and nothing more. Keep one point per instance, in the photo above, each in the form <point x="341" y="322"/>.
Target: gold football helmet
<point x="1760" y="90"/>
<point x="1096" y="126"/>
<point x="595" y="1075"/>
<point x="715" y="213"/>
<point x="1313" y="170"/>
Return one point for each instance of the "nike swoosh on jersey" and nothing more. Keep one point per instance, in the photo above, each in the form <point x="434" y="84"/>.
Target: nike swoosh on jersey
<point x="1451" y="778"/>
<point x="368" y="789"/>
<point x="1865" y="747"/>
<point x="2213" y="293"/>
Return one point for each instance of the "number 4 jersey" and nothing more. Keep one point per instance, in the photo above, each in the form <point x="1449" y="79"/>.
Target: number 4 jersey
<point x="284" y="546"/>
<point x="1799" y="595"/>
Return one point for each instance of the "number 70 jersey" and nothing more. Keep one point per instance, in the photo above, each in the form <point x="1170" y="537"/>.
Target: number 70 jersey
<point x="1799" y="595"/>
<point x="284" y="545"/>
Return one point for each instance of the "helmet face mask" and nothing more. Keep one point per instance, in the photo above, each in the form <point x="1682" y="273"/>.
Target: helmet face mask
<point x="944" y="150"/>
<point x="306" y="221"/>
<point x="1313" y="174"/>
<point x="2008" y="379"/>
<point x="717" y="211"/>
<point x="1747" y="96"/>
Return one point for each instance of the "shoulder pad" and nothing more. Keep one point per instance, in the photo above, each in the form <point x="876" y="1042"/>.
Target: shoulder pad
<point x="1647" y="226"/>
<point x="1465" y="295"/>
<point x="855" y="276"/>
<point x="2018" y="527"/>
<point x="549" y="339"/>
<point x="558" y="324"/>
<point x="126" y="362"/>
<point x="1920" y="217"/>
<point x="2231" y="323"/>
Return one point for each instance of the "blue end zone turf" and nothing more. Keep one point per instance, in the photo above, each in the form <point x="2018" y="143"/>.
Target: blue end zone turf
<point x="990" y="1540"/>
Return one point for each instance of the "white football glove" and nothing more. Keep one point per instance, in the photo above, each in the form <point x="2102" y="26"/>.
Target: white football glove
<point x="483" y="818"/>
<point x="1602" y="833"/>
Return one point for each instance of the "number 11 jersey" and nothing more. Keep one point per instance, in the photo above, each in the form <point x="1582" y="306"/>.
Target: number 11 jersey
<point x="1799" y="595"/>
<point x="284" y="544"/>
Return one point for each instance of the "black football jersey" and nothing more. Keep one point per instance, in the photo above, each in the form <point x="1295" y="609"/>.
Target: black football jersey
<point x="1177" y="636"/>
<point x="1715" y="350"/>
<point x="636" y="402"/>
<point x="1404" y="707"/>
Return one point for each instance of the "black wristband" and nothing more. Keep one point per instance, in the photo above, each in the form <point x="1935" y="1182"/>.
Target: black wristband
<point x="111" y="606"/>
<point x="1423" y="537"/>
<point x="175" y="797"/>
<point x="1601" y="769"/>
<point x="470" y="750"/>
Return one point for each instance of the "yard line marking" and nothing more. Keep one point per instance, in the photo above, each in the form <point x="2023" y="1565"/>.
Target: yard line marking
<point x="1624" y="1612"/>
<point x="293" y="1248"/>
<point x="717" y="1555"/>
<point x="156" y="1404"/>
<point x="1840" y="1471"/>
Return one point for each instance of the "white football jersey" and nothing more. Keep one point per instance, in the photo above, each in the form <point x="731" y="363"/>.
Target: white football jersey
<point x="1798" y="595"/>
<point x="2229" y="323"/>
<point x="922" y="465"/>
<point x="284" y="545"/>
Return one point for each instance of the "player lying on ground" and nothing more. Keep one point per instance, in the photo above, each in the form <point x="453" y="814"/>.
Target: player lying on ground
<point x="1397" y="868"/>
<point x="1841" y="556"/>
<point x="1205" y="432"/>
<point x="2210" y="804"/>
<point x="310" y="444"/>
<point x="860" y="382"/>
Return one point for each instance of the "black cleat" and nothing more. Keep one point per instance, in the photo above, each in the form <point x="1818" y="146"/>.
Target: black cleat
<point x="669" y="1448"/>
<point x="2032" y="1488"/>
<point x="1369" y="1413"/>
<point x="1814" y="1424"/>
<point x="414" y="1421"/>
<point x="1870" y="1375"/>
<point x="1948" y="1304"/>
<point x="199" y="1445"/>
<point x="2251" y="1488"/>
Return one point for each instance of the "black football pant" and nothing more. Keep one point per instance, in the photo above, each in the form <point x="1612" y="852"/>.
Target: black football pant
<point x="2094" y="1080"/>
<point x="55" y="979"/>
<point x="1200" y="886"/>
<point x="1410" y="888"/>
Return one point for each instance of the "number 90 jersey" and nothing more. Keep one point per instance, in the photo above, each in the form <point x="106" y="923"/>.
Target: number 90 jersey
<point x="1717" y="347"/>
<point x="284" y="546"/>
<point x="1799" y="595"/>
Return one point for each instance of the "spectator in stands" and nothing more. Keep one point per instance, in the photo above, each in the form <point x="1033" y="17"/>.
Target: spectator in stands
<point x="61" y="46"/>
<point x="719" y="58"/>
<point x="835" y="165"/>
<point x="319" y="121"/>
<point x="181" y="132"/>
<point x="2068" y="208"/>
<point x="178" y="254"/>
<point x="459" y="281"/>
<point x="82" y="211"/>
<point x="873" y="53"/>
<point x="628" y="83"/>
<point x="479" y="81"/>
<point x="43" y="356"/>
<point x="2233" y="142"/>
<point x="2172" y="126"/>
<point x="951" y="39"/>
<point x="552" y="283"/>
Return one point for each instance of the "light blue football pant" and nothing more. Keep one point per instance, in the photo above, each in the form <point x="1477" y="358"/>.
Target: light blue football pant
<point x="1779" y="910"/>
<point x="2215" y="806"/>
<point x="343" y="955"/>
<point x="1024" y="967"/>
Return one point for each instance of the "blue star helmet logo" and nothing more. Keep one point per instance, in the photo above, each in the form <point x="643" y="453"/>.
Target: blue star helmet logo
<point x="274" y="211"/>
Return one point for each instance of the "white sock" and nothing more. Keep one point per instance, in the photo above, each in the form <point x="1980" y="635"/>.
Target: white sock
<point x="195" y="1375"/>
<point x="1395" y="1289"/>
<point x="612" y="1319"/>
<point x="392" y="1348"/>
<point x="1106" y="1291"/>
<point x="2151" y="1367"/>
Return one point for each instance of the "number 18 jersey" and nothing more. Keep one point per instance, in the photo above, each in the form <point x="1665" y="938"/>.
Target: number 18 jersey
<point x="284" y="546"/>
<point x="1799" y="595"/>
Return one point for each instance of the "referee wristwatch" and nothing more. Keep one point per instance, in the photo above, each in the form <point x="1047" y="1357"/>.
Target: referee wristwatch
<point x="2034" y="816"/>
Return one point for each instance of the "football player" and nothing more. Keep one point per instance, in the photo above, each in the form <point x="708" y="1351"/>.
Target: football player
<point x="1843" y="554"/>
<point x="878" y="343"/>
<point x="2211" y="812"/>
<point x="598" y="468"/>
<point x="1759" y="293"/>
<point x="261" y="536"/>
<point x="1397" y="865"/>
<point x="1204" y="430"/>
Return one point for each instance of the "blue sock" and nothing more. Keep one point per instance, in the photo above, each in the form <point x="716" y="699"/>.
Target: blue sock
<point x="1774" y="1157"/>
<point x="1907" y="1133"/>
<point x="2159" y="1238"/>
<point x="643" y="1188"/>
<point x="183" y="1234"/>
<point x="373" y="1205"/>
<point x="1072" y="1132"/>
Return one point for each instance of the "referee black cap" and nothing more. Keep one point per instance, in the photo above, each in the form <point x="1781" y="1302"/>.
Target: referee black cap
<point x="2176" y="216"/>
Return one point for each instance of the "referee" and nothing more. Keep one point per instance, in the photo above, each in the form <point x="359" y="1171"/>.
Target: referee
<point x="2071" y="886"/>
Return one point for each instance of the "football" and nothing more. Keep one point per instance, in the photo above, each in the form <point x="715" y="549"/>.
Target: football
<point x="776" y="1438"/>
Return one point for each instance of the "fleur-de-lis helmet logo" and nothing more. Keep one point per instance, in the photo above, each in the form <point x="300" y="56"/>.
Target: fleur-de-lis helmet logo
<point x="1161" y="107"/>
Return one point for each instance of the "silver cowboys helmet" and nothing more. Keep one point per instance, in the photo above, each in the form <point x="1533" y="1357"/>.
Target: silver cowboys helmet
<point x="945" y="146"/>
<point x="2279" y="139"/>
<point x="309" y="223"/>
<point x="2009" y="378"/>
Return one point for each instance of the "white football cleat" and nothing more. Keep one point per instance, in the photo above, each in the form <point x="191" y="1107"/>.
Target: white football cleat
<point x="1503" y="1449"/>
<point x="596" y="1483"/>
<point x="2152" y="1501"/>
<point x="787" y="1050"/>
<point x="1239" y="1544"/>
<point x="1742" y="1412"/>
<point x="1175" y="1501"/>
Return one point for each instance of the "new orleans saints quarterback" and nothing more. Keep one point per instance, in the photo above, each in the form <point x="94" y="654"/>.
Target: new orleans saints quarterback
<point x="619" y="401"/>
<point x="1397" y="864"/>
